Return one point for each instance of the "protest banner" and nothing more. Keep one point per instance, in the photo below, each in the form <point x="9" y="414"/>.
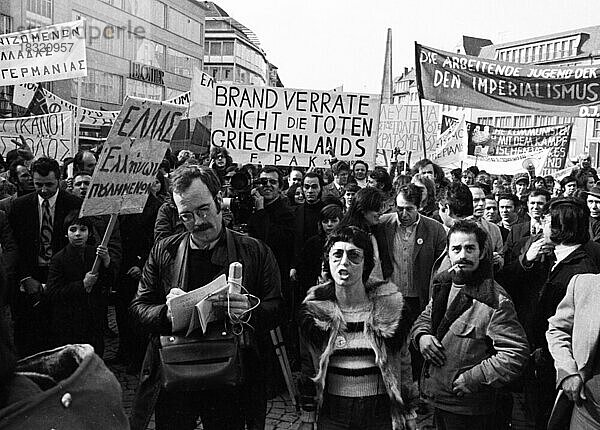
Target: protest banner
<point x="292" y="127"/>
<point x="202" y="94"/>
<point x="23" y="94"/>
<point x="497" y="141"/>
<point x="399" y="127"/>
<point x="86" y="116"/>
<point x="131" y="157"/>
<point x="48" y="135"/>
<point x="43" y="54"/>
<point x="452" y="143"/>
<point x="481" y="83"/>
<point x="507" y="164"/>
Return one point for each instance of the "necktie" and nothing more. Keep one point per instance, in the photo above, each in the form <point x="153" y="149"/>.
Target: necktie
<point x="46" y="233"/>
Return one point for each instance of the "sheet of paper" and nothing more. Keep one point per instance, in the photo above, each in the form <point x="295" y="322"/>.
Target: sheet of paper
<point x="182" y="307"/>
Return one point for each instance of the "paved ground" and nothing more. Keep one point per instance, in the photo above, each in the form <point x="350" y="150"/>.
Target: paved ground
<point x="281" y="414"/>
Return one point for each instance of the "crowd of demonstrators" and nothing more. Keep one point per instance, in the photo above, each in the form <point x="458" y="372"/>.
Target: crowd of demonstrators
<point x="381" y="280"/>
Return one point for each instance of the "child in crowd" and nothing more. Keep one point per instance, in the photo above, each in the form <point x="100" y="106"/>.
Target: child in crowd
<point x="77" y="297"/>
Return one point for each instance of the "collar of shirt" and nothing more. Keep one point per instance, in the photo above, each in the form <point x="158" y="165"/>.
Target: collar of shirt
<point x="211" y="245"/>
<point x="51" y="201"/>
<point x="563" y="251"/>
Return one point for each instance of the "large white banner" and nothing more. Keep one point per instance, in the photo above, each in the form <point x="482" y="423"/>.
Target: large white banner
<point x="43" y="54"/>
<point x="452" y="144"/>
<point x="131" y="157"/>
<point x="46" y="135"/>
<point x="291" y="127"/>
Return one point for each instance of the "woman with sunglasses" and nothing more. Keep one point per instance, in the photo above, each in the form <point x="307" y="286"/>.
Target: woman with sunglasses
<point x="355" y="331"/>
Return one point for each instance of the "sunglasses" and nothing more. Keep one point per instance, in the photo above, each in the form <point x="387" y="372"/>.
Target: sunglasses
<point x="355" y="256"/>
<point x="265" y="181"/>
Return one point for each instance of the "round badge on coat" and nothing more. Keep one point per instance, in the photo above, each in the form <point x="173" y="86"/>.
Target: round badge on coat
<point x="340" y="341"/>
<point x="419" y="241"/>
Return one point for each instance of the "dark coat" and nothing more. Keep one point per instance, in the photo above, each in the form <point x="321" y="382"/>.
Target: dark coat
<point x="25" y="222"/>
<point x="430" y="242"/>
<point x="301" y="234"/>
<point x="167" y="221"/>
<point x="260" y="278"/>
<point x="538" y="289"/>
<point x="9" y="248"/>
<point x="516" y="239"/>
<point x="66" y="388"/>
<point x="309" y="264"/>
<point x="331" y="190"/>
<point x="75" y="315"/>
<point x="274" y="225"/>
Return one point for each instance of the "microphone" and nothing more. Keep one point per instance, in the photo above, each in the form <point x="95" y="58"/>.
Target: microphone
<point x="235" y="278"/>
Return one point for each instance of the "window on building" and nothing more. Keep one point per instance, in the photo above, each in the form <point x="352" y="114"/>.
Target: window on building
<point x="40" y="7"/>
<point x="109" y="45"/>
<point x="486" y="120"/>
<point x="596" y="131"/>
<point x="522" y="121"/>
<point x="149" y="10"/>
<point x="100" y="86"/>
<point x="184" y="26"/>
<point x="5" y="24"/>
<point x="227" y="74"/>
<point x="145" y="51"/>
<point x="143" y="89"/>
<point x="227" y="48"/>
<point x="180" y="63"/>
<point x="215" y="48"/>
<point x="115" y="3"/>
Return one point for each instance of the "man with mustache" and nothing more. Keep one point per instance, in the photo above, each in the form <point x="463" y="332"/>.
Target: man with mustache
<point x="469" y="335"/>
<point x="204" y="252"/>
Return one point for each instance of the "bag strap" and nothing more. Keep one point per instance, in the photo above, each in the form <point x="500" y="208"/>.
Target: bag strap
<point x="181" y="258"/>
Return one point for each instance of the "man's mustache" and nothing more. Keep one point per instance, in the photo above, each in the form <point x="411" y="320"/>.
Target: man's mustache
<point x="465" y="262"/>
<point x="201" y="228"/>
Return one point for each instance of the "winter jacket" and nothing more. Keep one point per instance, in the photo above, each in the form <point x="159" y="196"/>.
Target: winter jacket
<point x="66" y="388"/>
<point x="260" y="277"/>
<point x="482" y="339"/>
<point x="321" y="322"/>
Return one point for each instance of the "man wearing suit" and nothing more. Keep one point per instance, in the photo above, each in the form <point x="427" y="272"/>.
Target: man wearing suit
<point x="341" y="171"/>
<point x="520" y="233"/>
<point x="37" y="221"/>
<point x="415" y="242"/>
<point x="573" y="334"/>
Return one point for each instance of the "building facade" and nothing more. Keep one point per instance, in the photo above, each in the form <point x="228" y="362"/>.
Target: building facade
<point x="232" y="52"/>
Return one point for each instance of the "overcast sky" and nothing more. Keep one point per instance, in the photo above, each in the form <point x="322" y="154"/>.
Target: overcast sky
<point x="322" y="44"/>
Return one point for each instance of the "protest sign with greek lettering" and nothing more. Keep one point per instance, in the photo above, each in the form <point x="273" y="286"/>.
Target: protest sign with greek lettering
<point x="131" y="157"/>
<point x="43" y="54"/>
<point x="452" y="144"/>
<point x="496" y="141"/>
<point x="400" y="127"/>
<point x="202" y="94"/>
<point x="474" y="82"/>
<point x="291" y="127"/>
<point x="46" y="135"/>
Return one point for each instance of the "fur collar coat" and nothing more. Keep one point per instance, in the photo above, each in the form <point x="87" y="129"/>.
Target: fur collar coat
<point x="386" y="329"/>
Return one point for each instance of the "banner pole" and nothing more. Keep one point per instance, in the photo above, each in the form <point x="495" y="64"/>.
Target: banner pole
<point x="420" y="97"/>
<point x="105" y="239"/>
<point x="77" y="117"/>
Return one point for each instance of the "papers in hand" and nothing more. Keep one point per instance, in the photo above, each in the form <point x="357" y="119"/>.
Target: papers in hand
<point x="194" y="309"/>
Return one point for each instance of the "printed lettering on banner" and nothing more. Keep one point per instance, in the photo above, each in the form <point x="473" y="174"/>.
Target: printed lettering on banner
<point x="48" y="135"/>
<point x="482" y="83"/>
<point x="43" y="54"/>
<point x="400" y="127"/>
<point x="131" y="157"/>
<point x="452" y="143"/>
<point x="292" y="127"/>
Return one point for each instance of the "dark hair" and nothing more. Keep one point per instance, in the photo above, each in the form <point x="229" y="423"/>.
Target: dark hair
<point x="73" y="218"/>
<point x="185" y="174"/>
<point x="549" y="179"/>
<point x="473" y="169"/>
<point x="413" y="193"/>
<point x="438" y="172"/>
<point x="511" y="197"/>
<point x="360" y="162"/>
<point x="468" y="227"/>
<point x="459" y="199"/>
<point x="352" y="187"/>
<point x="582" y="177"/>
<point x="539" y="192"/>
<point x="365" y="200"/>
<point x="569" y="221"/>
<point x="339" y="166"/>
<point x="163" y="183"/>
<point x="564" y="181"/>
<point x="540" y="179"/>
<point x="313" y="175"/>
<point x="291" y="192"/>
<point x="484" y="187"/>
<point x="44" y="165"/>
<point x="331" y="211"/>
<point x="357" y="237"/>
<point x="273" y="169"/>
<point x="382" y="177"/>
<point x="12" y="170"/>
